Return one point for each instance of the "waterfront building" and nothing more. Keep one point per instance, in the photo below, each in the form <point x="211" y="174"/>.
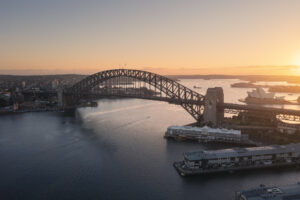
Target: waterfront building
<point x="55" y="84"/>
<point x="202" y="162"/>
<point x="207" y="134"/>
<point x="23" y="84"/>
<point x="288" y="128"/>
<point x="259" y="96"/>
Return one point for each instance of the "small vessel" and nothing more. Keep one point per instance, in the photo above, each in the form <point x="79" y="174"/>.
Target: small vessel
<point x="259" y="96"/>
<point x="197" y="87"/>
<point x="269" y="192"/>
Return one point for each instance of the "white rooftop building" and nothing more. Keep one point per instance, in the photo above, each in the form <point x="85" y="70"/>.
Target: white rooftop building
<point x="261" y="94"/>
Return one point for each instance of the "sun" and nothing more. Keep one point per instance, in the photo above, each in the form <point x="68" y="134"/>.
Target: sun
<point x="295" y="70"/>
<point x="297" y="60"/>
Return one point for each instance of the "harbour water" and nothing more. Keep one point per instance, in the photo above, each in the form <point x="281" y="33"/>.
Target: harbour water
<point x="114" y="151"/>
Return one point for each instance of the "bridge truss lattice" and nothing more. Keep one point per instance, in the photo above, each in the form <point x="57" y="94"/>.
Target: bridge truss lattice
<point x="174" y="92"/>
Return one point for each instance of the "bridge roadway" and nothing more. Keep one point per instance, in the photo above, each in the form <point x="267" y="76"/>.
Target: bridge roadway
<point x="230" y="106"/>
<point x="94" y="96"/>
<point x="241" y="107"/>
<point x="49" y="93"/>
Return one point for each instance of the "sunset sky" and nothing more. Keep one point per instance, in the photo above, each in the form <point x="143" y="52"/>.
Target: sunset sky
<point x="163" y="36"/>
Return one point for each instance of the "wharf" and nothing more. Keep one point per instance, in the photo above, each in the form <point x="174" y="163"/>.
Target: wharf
<point x="188" y="171"/>
<point x="208" y="135"/>
<point x="245" y="142"/>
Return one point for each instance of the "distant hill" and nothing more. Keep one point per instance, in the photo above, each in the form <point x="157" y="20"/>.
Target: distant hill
<point x="251" y="78"/>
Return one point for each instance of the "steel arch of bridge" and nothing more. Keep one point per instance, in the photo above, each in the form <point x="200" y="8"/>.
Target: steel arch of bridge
<point x="190" y="100"/>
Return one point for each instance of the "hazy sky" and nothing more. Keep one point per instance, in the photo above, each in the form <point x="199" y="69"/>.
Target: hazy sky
<point x="165" y="36"/>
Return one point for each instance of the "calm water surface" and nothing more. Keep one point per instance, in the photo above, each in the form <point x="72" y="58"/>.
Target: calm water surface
<point x="114" y="151"/>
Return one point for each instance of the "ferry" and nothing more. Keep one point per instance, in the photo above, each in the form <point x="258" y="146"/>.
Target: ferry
<point x="263" y="192"/>
<point x="204" y="162"/>
<point x="207" y="134"/>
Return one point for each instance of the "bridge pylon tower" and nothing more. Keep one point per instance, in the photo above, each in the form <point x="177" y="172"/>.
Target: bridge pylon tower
<point x="213" y="114"/>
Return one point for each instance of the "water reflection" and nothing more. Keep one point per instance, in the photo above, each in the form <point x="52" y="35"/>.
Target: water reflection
<point x="114" y="151"/>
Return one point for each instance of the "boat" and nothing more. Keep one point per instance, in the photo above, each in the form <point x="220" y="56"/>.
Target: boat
<point x="259" y="96"/>
<point x="230" y="160"/>
<point x="263" y="192"/>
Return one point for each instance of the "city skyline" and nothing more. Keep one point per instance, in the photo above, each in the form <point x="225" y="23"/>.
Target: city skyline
<point x="290" y="70"/>
<point x="166" y="37"/>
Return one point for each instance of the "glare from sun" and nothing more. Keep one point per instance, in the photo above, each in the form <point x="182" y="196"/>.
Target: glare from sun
<point x="297" y="60"/>
<point x="296" y="69"/>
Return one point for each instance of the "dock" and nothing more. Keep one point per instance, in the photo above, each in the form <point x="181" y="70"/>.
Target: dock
<point x="236" y="159"/>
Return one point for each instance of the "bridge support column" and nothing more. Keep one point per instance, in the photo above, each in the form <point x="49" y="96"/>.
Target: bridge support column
<point x="213" y="116"/>
<point x="60" y="98"/>
<point x="64" y="100"/>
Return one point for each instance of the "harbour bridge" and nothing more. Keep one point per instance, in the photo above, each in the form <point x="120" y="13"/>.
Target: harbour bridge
<point x="131" y="83"/>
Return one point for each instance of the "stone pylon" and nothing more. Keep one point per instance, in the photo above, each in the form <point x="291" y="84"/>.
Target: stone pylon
<point x="213" y="115"/>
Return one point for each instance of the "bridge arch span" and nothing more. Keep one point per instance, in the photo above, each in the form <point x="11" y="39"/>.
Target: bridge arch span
<point x="190" y="100"/>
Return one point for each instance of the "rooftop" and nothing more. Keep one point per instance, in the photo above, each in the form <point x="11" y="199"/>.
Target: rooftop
<point x="235" y="152"/>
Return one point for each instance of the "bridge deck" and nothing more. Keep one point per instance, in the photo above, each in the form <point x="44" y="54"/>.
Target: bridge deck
<point x="231" y="106"/>
<point x="157" y="98"/>
<point x="260" y="108"/>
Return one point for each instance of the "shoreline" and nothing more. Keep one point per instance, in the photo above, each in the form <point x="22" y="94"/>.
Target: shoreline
<point x="6" y="112"/>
